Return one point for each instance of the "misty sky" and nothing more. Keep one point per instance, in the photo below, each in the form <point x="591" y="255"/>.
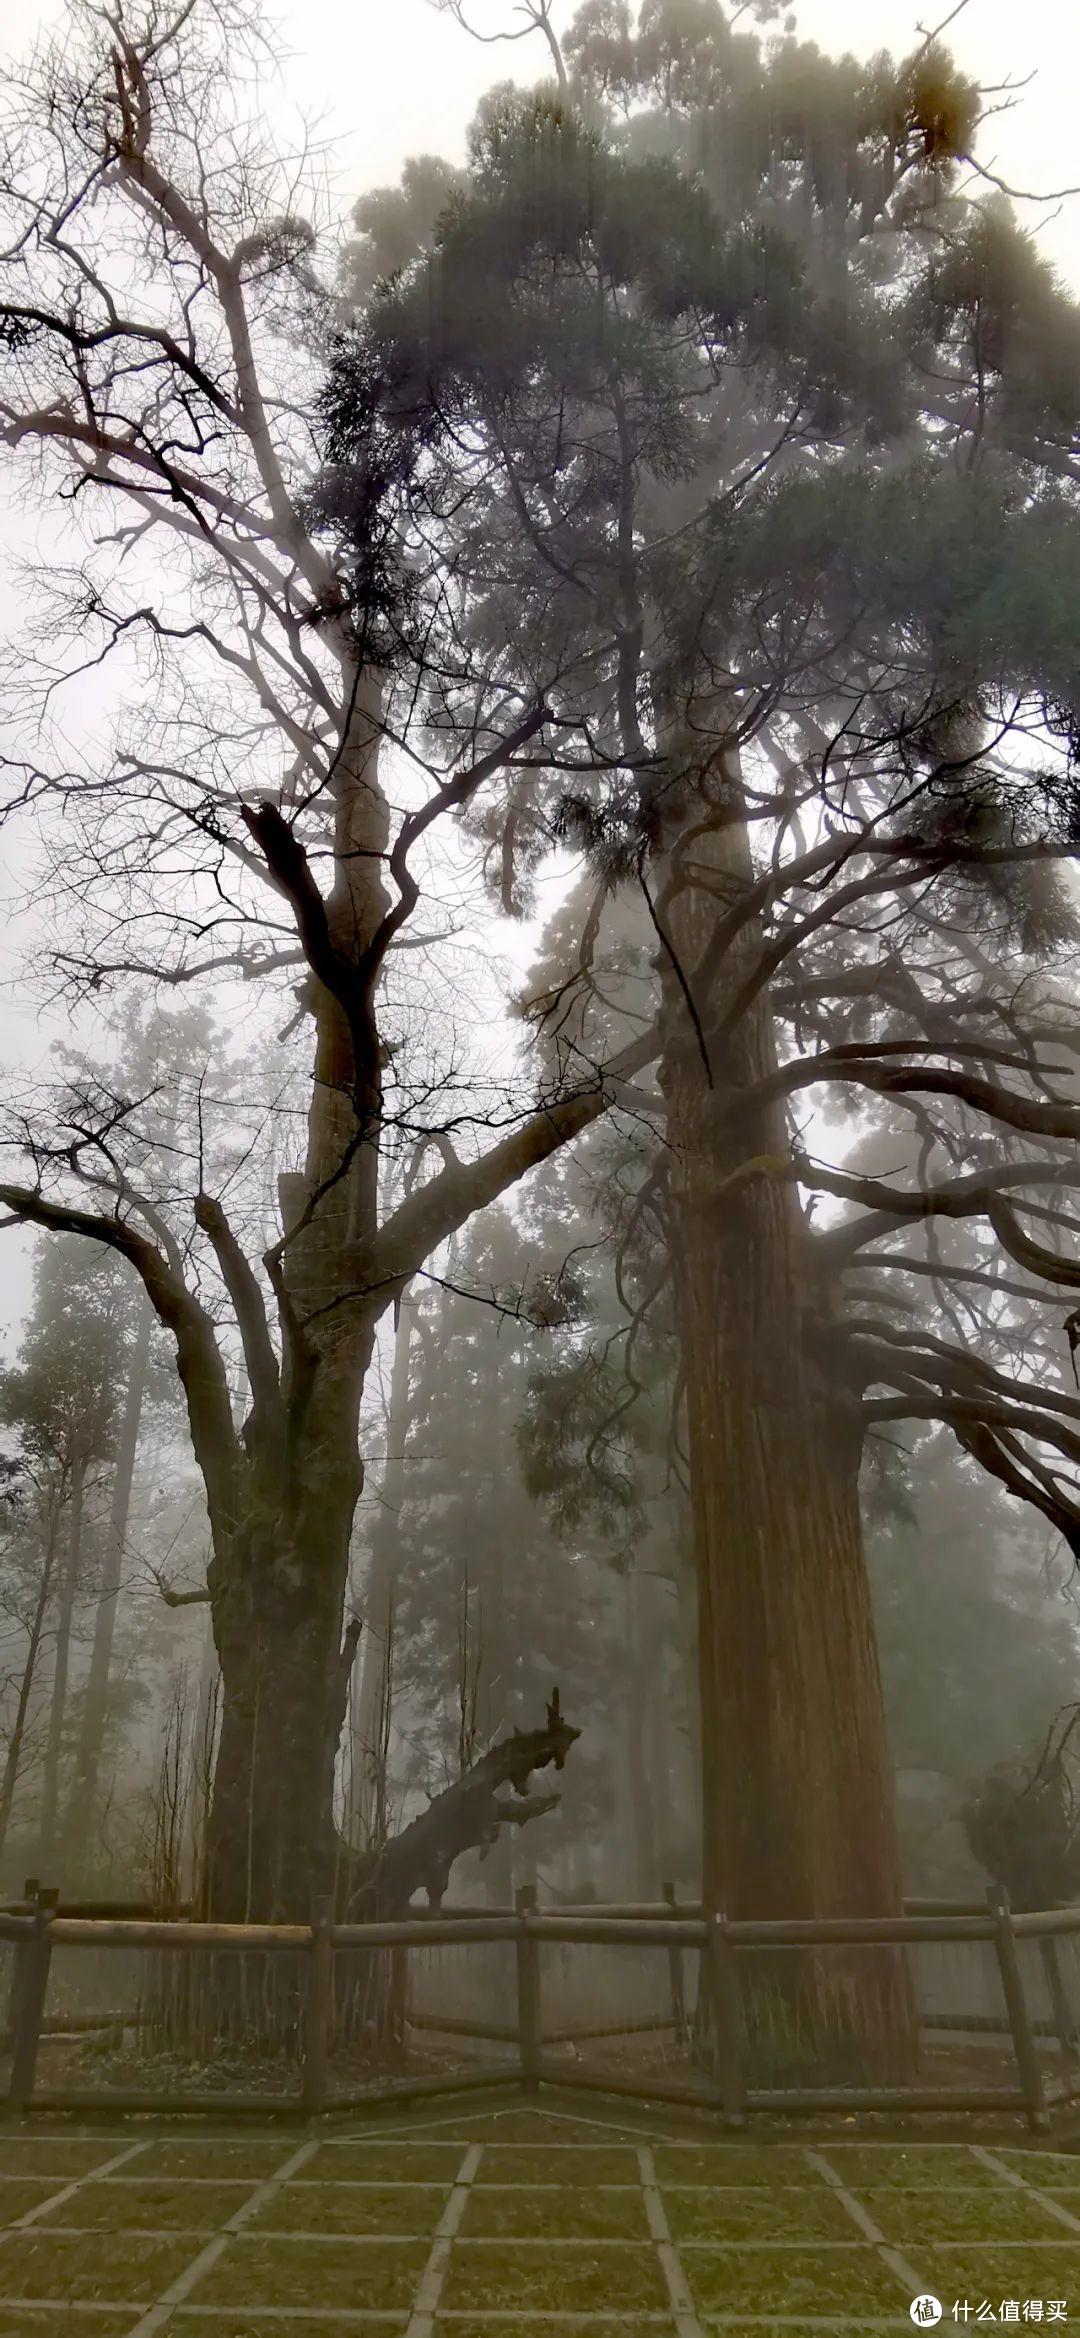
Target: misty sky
<point x="386" y="78"/>
<point x="416" y="78"/>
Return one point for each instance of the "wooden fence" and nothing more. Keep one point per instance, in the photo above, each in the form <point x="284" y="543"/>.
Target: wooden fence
<point x="39" y="1925"/>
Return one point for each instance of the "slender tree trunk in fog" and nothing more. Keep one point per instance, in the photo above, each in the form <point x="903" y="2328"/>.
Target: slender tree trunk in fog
<point x="96" y="1701"/>
<point x="641" y="1687"/>
<point x="498" y="1864"/>
<point x="13" y="1756"/>
<point x="50" y="1792"/>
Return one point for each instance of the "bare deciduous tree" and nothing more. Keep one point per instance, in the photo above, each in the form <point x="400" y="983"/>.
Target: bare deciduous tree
<point x="270" y="790"/>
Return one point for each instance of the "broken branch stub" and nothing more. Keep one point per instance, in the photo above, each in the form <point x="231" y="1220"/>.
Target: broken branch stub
<point x="466" y="1816"/>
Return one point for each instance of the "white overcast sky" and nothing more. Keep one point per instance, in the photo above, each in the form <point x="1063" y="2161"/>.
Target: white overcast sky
<point x="378" y="80"/>
<point x="404" y="80"/>
<point x="387" y="78"/>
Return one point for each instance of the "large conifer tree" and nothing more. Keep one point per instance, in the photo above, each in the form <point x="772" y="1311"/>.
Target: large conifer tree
<point x="755" y="439"/>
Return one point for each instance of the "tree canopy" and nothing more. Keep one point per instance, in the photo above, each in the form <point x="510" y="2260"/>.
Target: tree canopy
<point x="754" y="435"/>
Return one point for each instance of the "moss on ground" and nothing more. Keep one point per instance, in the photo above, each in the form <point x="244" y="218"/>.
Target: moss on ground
<point x="614" y="2214"/>
<point x="360" y="2208"/>
<point x="758" y="2215"/>
<point x="999" y="2273"/>
<point x="17" y="2199"/>
<point x="150" y="2207"/>
<point x="575" y="2279"/>
<point x="40" y="2155"/>
<point x="733" y="2163"/>
<point x="963" y="2227"/>
<point x="523" y="2127"/>
<point x="256" y="2325"/>
<point x="375" y="2274"/>
<point x="250" y="2159"/>
<point x="1050" y="2170"/>
<point x="792" y="2281"/>
<point x="907" y="2216"/>
<point x="63" y="2321"/>
<point x="56" y="2265"/>
<point x="508" y="2326"/>
<point x="923" y="2168"/>
<point x="579" y="2166"/>
<point x="384" y="2163"/>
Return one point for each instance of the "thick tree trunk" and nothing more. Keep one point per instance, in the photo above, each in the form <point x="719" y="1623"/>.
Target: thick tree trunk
<point x="282" y="1496"/>
<point x="685" y="1594"/>
<point x="273" y="1847"/>
<point x="279" y="1575"/>
<point x="797" y="1795"/>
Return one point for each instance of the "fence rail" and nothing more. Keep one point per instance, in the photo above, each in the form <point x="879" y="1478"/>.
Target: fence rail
<point x="40" y="1925"/>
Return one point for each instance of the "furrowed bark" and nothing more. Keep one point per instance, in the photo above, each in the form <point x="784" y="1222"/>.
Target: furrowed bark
<point x="797" y="1815"/>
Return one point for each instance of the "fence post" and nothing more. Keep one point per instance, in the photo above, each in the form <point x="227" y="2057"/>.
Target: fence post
<point x="675" y="1973"/>
<point x="18" y="1968"/>
<point x="1023" y="2037"/>
<point x="1059" y="2002"/>
<point x="317" y="2008"/>
<point x="724" y="1995"/>
<point x="399" y="2003"/>
<point x="32" y="1960"/>
<point x="528" y="1991"/>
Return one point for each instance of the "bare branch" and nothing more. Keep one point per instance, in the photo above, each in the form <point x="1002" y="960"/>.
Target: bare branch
<point x="198" y="1355"/>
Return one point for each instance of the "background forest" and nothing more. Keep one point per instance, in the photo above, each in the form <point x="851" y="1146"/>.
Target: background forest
<point x="493" y="1553"/>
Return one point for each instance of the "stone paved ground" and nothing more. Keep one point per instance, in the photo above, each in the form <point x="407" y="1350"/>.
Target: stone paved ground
<point x="522" y="2224"/>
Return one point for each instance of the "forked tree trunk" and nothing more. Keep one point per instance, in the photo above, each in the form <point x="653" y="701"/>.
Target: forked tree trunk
<point x="282" y="1495"/>
<point x="797" y="1795"/>
<point x="280" y="1570"/>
